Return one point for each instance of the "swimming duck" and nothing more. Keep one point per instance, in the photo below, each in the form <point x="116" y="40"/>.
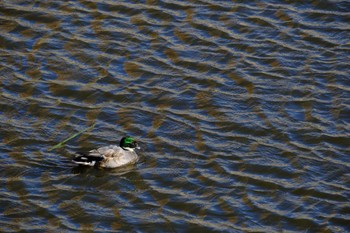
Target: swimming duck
<point x="110" y="156"/>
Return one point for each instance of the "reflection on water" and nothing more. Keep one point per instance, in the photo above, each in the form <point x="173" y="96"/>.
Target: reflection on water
<point x="242" y="110"/>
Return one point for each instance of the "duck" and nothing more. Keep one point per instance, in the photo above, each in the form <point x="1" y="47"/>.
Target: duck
<point x="112" y="156"/>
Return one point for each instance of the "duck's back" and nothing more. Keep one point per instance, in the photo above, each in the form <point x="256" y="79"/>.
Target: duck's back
<point x="114" y="156"/>
<point x="107" y="151"/>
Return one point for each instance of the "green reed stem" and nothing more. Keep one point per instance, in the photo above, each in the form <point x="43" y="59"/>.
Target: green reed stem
<point x="59" y="145"/>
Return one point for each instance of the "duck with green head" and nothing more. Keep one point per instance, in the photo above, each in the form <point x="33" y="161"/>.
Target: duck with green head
<point x="110" y="156"/>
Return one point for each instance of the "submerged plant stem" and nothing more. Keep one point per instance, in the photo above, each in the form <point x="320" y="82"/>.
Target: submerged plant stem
<point x="59" y="145"/>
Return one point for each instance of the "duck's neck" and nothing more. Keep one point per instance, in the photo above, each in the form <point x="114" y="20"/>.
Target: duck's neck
<point x="128" y="149"/>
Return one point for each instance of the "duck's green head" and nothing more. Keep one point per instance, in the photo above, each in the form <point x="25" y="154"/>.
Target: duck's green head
<point x="128" y="143"/>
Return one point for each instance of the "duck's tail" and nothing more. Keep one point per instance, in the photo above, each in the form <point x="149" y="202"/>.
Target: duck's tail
<point x="86" y="159"/>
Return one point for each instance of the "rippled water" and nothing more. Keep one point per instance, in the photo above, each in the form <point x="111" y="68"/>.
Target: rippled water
<point x="242" y="110"/>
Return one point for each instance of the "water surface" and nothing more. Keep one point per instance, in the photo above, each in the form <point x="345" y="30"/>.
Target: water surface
<point x="242" y="110"/>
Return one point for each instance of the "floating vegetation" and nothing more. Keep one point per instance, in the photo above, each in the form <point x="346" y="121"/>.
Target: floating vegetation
<point x="59" y="145"/>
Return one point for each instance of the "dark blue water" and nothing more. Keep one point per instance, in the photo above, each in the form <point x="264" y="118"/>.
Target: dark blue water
<point x="242" y="111"/>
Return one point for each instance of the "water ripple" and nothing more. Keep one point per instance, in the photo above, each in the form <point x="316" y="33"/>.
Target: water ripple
<point x="241" y="109"/>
